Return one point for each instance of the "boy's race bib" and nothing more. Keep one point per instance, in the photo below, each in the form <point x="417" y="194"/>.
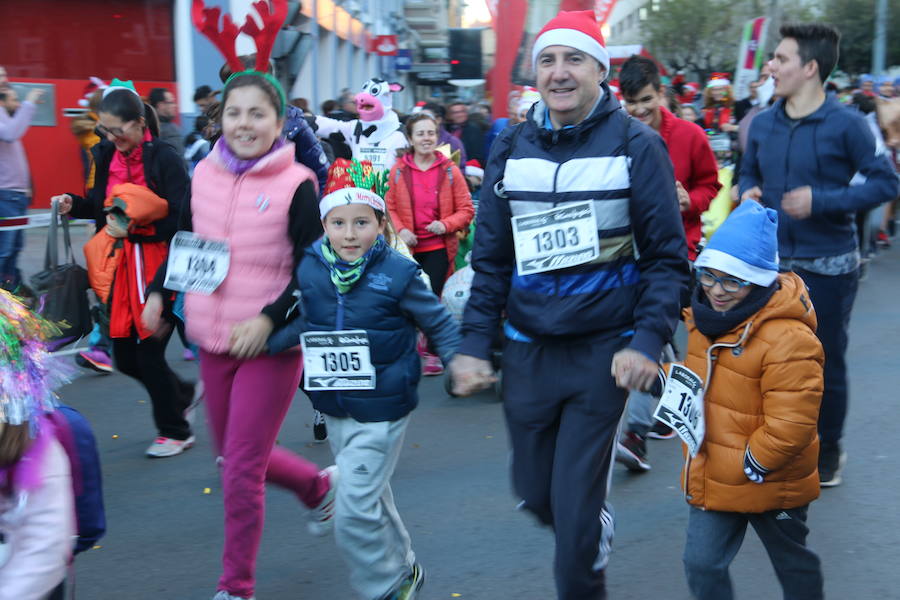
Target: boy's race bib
<point x="564" y="236"/>
<point x="196" y="264"/>
<point x="337" y="360"/>
<point x="681" y="406"/>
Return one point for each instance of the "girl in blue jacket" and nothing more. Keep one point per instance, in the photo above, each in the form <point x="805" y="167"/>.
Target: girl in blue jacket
<point x="361" y="302"/>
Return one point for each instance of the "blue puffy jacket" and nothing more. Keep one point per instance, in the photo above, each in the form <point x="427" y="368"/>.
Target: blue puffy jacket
<point x="823" y="150"/>
<point x="389" y="301"/>
<point x="307" y="149"/>
<point x="634" y="286"/>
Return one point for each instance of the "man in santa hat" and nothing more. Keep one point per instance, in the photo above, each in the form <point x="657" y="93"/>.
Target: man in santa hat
<point x="580" y="244"/>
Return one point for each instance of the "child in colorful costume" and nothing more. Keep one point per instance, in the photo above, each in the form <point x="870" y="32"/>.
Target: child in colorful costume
<point x="37" y="511"/>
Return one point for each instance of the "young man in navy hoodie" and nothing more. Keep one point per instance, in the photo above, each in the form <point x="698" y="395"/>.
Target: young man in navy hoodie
<point x="800" y="158"/>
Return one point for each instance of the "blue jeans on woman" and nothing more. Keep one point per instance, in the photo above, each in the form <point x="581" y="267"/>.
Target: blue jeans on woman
<point x="714" y="538"/>
<point x="12" y="204"/>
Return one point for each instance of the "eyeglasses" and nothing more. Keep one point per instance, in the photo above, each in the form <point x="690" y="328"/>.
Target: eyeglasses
<point x="729" y="284"/>
<point x="113" y="131"/>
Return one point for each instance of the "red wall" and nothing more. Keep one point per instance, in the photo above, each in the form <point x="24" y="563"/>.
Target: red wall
<point x="54" y="155"/>
<point x="68" y="39"/>
<point x="63" y="42"/>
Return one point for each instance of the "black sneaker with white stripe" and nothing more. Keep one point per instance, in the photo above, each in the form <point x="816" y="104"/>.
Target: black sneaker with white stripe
<point x="320" y="431"/>
<point x="631" y="451"/>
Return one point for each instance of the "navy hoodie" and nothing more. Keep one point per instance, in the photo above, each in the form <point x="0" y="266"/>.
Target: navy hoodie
<point x="823" y="150"/>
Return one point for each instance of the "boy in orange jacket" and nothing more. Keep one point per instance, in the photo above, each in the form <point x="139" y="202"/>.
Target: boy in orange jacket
<point x="755" y="328"/>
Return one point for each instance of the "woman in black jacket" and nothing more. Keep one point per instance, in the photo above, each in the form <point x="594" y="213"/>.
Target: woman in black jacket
<point x="130" y="152"/>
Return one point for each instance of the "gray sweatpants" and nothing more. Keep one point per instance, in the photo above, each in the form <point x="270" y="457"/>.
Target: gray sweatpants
<point x="368" y="529"/>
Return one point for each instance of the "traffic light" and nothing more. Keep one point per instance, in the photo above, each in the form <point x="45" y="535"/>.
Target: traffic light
<point x="465" y="54"/>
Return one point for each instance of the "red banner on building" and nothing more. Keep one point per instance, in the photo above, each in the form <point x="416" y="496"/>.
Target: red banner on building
<point x="384" y="45"/>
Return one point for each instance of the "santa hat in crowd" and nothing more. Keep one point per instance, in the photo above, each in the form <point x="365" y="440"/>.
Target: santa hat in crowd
<point x="93" y="84"/>
<point x="614" y="88"/>
<point x="718" y="80"/>
<point x="353" y="182"/>
<point x="473" y="169"/>
<point x="527" y="99"/>
<point x="576" y="29"/>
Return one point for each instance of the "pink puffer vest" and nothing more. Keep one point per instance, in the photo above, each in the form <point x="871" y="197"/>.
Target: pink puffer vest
<point x="250" y="212"/>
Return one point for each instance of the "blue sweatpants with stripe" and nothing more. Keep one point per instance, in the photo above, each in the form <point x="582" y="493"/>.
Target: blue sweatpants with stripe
<point x="562" y="409"/>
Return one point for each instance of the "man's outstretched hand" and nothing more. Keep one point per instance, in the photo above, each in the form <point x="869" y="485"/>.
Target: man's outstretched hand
<point x="470" y="374"/>
<point x="632" y="370"/>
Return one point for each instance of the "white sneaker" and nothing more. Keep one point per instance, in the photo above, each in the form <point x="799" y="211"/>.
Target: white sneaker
<point x="223" y="595"/>
<point x="164" y="447"/>
<point x="321" y="518"/>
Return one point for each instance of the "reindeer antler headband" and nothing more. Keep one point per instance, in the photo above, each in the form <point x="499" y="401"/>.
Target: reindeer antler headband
<point x="206" y="20"/>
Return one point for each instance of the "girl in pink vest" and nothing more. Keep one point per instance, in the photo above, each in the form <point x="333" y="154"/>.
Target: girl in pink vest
<point x="249" y="195"/>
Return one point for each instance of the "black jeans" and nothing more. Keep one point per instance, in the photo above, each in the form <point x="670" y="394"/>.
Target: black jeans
<point x="145" y="361"/>
<point x="833" y="297"/>
<point x="562" y="409"/>
<point x="436" y="265"/>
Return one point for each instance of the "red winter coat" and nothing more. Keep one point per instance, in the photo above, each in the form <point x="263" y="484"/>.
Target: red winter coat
<point x="696" y="169"/>
<point x="454" y="203"/>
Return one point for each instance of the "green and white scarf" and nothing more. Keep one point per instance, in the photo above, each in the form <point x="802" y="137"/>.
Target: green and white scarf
<point x="344" y="275"/>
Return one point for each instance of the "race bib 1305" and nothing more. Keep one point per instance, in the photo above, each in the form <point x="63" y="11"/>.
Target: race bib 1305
<point x="337" y="360"/>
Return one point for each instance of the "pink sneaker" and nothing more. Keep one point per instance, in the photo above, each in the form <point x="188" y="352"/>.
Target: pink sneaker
<point x="95" y="359"/>
<point x="433" y="365"/>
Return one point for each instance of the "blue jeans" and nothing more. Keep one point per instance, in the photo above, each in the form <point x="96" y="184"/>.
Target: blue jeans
<point x="12" y="204"/>
<point x="833" y="297"/>
<point x="714" y="538"/>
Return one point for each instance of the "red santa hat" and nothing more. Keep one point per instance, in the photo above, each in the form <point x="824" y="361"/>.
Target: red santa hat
<point x="718" y="80"/>
<point x="473" y="169"/>
<point x="577" y="29"/>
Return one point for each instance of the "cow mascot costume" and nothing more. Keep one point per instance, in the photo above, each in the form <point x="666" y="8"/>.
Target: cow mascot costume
<point x="377" y="134"/>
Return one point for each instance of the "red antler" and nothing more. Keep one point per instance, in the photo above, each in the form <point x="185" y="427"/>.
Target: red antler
<point x="265" y="37"/>
<point x="206" y="20"/>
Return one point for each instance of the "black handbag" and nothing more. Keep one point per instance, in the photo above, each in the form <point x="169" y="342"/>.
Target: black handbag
<point x="61" y="289"/>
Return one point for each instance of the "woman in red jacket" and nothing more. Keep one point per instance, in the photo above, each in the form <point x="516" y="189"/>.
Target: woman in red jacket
<point x="429" y="202"/>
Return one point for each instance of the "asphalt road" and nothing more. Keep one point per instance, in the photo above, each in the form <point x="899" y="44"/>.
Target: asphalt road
<point x="452" y="489"/>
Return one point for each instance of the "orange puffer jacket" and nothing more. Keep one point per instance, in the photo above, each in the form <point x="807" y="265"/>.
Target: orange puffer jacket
<point x="765" y="390"/>
<point x="103" y="253"/>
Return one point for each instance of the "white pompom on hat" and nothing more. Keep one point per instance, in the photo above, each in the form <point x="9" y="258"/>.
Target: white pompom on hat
<point x="577" y="29"/>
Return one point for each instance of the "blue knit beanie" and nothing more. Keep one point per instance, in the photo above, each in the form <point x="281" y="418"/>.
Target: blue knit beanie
<point x="745" y="245"/>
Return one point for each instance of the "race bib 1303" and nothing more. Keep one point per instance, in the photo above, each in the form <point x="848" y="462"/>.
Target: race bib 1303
<point x="565" y="236"/>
